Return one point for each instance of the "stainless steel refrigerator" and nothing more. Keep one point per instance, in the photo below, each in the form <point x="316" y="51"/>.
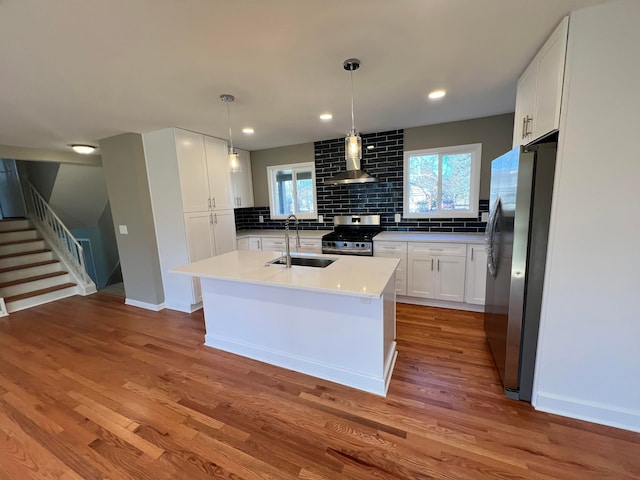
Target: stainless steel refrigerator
<point x="517" y="237"/>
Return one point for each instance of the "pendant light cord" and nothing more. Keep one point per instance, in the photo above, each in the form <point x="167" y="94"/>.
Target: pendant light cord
<point x="353" y="123"/>
<point x="229" y="121"/>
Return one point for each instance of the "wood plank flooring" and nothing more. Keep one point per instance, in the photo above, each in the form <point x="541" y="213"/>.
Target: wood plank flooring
<point x="92" y="389"/>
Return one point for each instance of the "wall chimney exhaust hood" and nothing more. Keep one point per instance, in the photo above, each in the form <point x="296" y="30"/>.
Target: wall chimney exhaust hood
<point x="352" y="144"/>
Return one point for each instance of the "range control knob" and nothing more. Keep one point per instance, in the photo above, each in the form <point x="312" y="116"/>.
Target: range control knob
<point x="345" y="244"/>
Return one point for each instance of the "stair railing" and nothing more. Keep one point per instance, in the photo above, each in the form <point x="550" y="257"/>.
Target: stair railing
<point x="69" y="249"/>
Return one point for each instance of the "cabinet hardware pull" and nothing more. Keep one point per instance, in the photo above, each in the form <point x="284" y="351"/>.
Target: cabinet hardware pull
<point x="438" y="264"/>
<point x="215" y="218"/>
<point x="432" y="264"/>
<point x="213" y="202"/>
<point x="524" y="127"/>
<point x="472" y="254"/>
<point x="210" y="218"/>
<point x="209" y="202"/>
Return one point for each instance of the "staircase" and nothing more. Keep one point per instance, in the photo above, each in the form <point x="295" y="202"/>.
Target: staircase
<point x="30" y="272"/>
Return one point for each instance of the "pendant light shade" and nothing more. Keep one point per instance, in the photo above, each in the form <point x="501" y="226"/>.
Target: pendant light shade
<point x="353" y="141"/>
<point x="234" y="162"/>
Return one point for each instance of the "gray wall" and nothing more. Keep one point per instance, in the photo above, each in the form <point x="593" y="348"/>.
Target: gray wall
<point x="261" y="159"/>
<point x="495" y="133"/>
<point x="126" y="177"/>
<point x="42" y="175"/>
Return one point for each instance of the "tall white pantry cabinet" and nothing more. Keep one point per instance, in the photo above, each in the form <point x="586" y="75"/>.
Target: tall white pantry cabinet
<point x="192" y="200"/>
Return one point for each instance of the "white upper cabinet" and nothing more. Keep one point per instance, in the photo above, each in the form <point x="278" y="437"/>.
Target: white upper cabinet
<point x="192" y="165"/>
<point x="539" y="92"/>
<point x="242" y="181"/>
<point x="218" y="173"/>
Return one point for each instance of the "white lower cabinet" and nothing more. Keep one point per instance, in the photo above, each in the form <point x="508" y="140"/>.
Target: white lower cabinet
<point x="307" y="245"/>
<point x="243" y="244"/>
<point x="208" y="234"/>
<point x="255" y="243"/>
<point x="436" y="271"/>
<point x="395" y="250"/>
<point x="476" y="274"/>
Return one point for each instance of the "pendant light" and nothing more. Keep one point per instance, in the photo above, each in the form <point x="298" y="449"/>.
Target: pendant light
<point x="353" y="141"/>
<point x="234" y="162"/>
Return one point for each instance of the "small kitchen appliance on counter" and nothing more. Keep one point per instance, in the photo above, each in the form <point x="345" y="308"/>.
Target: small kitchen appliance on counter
<point x="352" y="235"/>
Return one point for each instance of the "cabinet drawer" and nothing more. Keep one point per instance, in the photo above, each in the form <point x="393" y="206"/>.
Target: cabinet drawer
<point x="390" y="247"/>
<point x="269" y="243"/>
<point x="449" y="249"/>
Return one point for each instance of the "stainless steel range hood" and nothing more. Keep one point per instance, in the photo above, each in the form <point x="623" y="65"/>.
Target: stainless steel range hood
<point x="352" y="175"/>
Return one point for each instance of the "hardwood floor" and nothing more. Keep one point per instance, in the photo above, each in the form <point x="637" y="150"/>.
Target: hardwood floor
<point x="91" y="388"/>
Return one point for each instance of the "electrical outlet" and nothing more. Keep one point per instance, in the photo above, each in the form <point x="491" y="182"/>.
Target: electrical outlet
<point x="261" y="219"/>
<point x="123" y="229"/>
<point x="398" y="218"/>
<point x="321" y="218"/>
<point x="485" y="216"/>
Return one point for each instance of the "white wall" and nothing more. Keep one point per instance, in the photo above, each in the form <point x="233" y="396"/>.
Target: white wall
<point x="588" y="363"/>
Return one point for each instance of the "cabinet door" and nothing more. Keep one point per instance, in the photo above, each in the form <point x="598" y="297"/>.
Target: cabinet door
<point x="218" y="173"/>
<point x="200" y="243"/>
<point x="421" y="276"/>
<point x="525" y="105"/>
<point x="476" y="274"/>
<point x="192" y="168"/>
<point x="243" y="244"/>
<point x="255" y="243"/>
<point x="242" y="182"/>
<point x="450" y="278"/>
<point x="551" y="60"/>
<point x="224" y="231"/>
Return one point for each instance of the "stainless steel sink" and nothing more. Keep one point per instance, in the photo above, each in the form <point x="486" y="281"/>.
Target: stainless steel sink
<point x="320" y="262"/>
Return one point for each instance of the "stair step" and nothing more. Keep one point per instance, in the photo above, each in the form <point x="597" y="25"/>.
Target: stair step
<point x="39" y="282"/>
<point x="29" y="270"/>
<point x="25" y="258"/>
<point x="32" y="279"/>
<point x="38" y="297"/>
<point x="35" y="264"/>
<point x="21" y="234"/>
<point x="20" y="241"/>
<point x="21" y="246"/>
<point x="42" y="291"/>
<point x="14" y="224"/>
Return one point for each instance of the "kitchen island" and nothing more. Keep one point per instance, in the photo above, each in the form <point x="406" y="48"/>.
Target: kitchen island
<point x="337" y="323"/>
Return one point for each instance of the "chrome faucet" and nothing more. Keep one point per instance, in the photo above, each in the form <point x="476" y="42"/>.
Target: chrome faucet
<point x="286" y="238"/>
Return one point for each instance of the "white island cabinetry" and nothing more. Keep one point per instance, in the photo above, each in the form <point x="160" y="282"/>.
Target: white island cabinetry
<point x="190" y="186"/>
<point x="335" y="323"/>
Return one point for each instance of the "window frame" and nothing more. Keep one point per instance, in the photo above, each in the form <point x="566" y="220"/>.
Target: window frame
<point x="475" y="149"/>
<point x="294" y="167"/>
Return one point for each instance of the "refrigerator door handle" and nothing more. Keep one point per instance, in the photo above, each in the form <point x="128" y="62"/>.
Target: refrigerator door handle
<point x="490" y="233"/>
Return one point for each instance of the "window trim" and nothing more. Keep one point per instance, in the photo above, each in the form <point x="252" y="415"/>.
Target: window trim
<point x="271" y="171"/>
<point x="474" y="195"/>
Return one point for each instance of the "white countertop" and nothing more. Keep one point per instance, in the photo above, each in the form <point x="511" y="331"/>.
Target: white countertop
<point x="430" y="237"/>
<point x="348" y="275"/>
<point x="280" y="233"/>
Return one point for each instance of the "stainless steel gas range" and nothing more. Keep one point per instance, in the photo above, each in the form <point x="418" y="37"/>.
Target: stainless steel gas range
<point x="352" y="235"/>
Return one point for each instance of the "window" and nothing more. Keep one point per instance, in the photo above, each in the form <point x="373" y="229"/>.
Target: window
<point x="292" y="189"/>
<point x="442" y="182"/>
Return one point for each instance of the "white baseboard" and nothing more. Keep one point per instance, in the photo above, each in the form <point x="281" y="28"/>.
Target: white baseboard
<point x="145" y="305"/>
<point x="183" y="307"/>
<point x="427" y="302"/>
<point x="307" y="366"/>
<point x="594" y="412"/>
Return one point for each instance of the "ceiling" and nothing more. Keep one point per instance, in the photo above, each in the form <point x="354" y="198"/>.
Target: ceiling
<point x="77" y="71"/>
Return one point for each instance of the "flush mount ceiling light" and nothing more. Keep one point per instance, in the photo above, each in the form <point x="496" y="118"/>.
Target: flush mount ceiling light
<point x="234" y="162"/>
<point x="326" y="117"/>
<point x="83" y="149"/>
<point x="437" y="94"/>
<point x="248" y="131"/>
<point x="353" y="141"/>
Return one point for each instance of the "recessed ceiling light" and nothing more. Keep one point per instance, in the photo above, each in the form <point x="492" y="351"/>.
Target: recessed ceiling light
<point x="248" y="130"/>
<point x="326" y="116"/>
<point x="83" y="149"/>
<point x="437" y="94"/>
